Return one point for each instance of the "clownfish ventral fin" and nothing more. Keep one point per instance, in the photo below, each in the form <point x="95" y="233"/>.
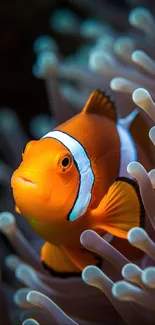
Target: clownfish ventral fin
<point x="65" y="260"/>
<point x="99" y="103"/>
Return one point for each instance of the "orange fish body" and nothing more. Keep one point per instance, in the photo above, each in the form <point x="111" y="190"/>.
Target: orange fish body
<point x="66" y="184"/>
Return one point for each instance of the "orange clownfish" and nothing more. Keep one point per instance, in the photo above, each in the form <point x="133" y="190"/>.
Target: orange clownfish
<point x="75" y="178"/>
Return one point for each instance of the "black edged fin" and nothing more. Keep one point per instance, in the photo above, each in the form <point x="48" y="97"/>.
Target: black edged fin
<point x="60" y="274"/>
<point x="99" y="103"/>
<point x="70" y="274"/>
<point x="136" y="188"/>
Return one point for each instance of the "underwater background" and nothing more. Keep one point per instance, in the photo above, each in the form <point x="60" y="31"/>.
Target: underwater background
<point x="53" y="55"/>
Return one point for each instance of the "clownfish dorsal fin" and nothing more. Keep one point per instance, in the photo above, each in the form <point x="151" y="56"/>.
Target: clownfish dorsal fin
<point x="99" y="103"/>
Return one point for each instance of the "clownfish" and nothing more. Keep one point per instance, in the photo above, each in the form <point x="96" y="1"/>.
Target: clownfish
<point x="75" y="178"/>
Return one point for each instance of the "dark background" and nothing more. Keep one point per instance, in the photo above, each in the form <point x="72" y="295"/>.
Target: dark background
<point x="20" y="23"/>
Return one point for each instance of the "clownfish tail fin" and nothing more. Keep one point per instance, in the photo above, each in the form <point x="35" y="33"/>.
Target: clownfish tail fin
<point x="99" y="103"/>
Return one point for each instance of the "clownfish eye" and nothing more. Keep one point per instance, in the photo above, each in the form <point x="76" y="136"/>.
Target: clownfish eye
<point x="65" y="163"/>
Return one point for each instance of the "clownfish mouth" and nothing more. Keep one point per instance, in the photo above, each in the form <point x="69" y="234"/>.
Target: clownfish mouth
<point x="24" y="180"/>
<point x="22" y="184"/>
<point x="27" y="180"/>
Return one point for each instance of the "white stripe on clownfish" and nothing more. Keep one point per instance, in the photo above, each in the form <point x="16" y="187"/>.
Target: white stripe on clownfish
<point x="126" y="122"/>
<point x="85" y="171"/>
<point x="128" y="151"/>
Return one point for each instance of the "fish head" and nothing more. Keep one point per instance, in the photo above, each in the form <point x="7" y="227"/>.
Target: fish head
<point x="45" y="186"/>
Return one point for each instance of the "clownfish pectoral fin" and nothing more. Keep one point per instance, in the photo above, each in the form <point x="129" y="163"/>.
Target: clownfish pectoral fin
<point x="120" y="210"/>
<point x="65" y="260"/>
<point x="100" y="104"/>
<point x="17" y="210"/>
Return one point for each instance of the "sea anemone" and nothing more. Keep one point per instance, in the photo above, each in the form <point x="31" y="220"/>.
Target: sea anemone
<point x="123" y="66"/>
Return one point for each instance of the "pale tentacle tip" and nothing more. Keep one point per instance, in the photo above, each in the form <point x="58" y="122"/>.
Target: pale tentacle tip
<point x="141" y="97"/>
<point x="47" y="63"/>
<point x="121" y="84"/>
<point x="95" y="60"/>
<point x="64" y="21"/>
<point x="36" y="298"/>
<point x="139" y="15"/>
<point x="99" y="60"/>
<point x="91" y="274"/>
<point x="86" y="237"/>
<point x="30" y="321"/>
<point x="31" y="295"/>
<point x="20" y="298"/>
<point x="44" y="43"/>
<point x="120" y="290"/>
<point x="136" y="55"/>
<point x="133" y="168"/>
<point x="140" y="57"/>
<point x="91" y="28"/>
<point x="152" y="134"/>
<point x="7" y="222"/>
<point x="124" y="46"/>
<point x="137" y="235"/>
<point x="116" y="83"/>
<point x="148" y="277"/>
<point x="130" y="270"/>
<point x="12" y="262"/>
<point x="144" y="60"/>
<point x="24" y="272"/>
<point x="151" y="175"/>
